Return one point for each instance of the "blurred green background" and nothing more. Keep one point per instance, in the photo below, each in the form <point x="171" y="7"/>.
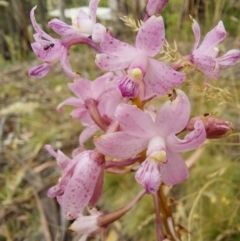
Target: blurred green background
<point x="205" y="207"/>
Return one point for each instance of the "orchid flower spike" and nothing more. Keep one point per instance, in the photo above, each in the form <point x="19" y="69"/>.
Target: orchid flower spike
<point x="204" y="56"/>
<point x="49" y="50"/>
<point x="82" y="24"/>
<point x="101" y="93"/>
<point x="145" y="75"/>
<point x="81" y="183"/>
<point x="138" y="132"/>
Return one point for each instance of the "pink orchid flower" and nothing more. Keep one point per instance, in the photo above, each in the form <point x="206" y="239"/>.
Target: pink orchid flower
<point x="81" y="183"/>
<point x="83" y="24"/>
<point x="138" y="132"/>
<point x="204" y="56"/>
<point x="103" y="92"/>
<point x="145" y="75"/>
<point x="49" y="50"/>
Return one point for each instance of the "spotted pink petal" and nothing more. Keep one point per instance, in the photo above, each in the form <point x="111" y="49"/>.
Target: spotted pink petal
<point x="81" y="185"/>
<point x="120" y="144"/>
<point x="49" y="54"/>
<point x="160" y="78"/>
<point x="207" y="64"/>
<point x="98" y="32"/>
<point x="191" y="141"/>
<point x="114" y="46"/>
<point x="112" y="62"/>
<point x="212" y="38"/>
<point x="134" y="121"/>
<point x="151" y="36"/>
<point x="173" y="116"/>
<point x="175" y="170"/>
<point x="98" y="189"/>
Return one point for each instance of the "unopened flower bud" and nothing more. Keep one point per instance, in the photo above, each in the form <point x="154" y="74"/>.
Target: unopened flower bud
<point x="215" y="128"/>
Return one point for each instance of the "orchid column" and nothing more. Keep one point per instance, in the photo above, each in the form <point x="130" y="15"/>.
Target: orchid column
<point x="133" y="136"/>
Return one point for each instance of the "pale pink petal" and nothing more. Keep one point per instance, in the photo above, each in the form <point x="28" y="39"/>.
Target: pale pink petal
<point x="214" y="52"/>
<point x="72" y="101"/>
<point x="84" y="23"/>
<point x="134" y="121"/>
<point x="82" y="15"/>
<point x="151" y="36"/>
<point x="112" y="62"/>
<point x="37" y="27"/>
<point x="67" y="66"/>
<point x="62" y="28"/>
<point x="191" y="141"/>
<point x="148" y="175"/>
<point x="101" y="85"/>
<point x="120" y="145"/>
<point x="173" y="116"/>
<point x="98" y="32"/>
<point x="93" y="9"/>
<point x="155" y="6"/>
<point x="228" y="59"/>
<point x="40" y="71"/>
<point x="161" y="78"/>
<point x="62" y="159"/>
<point x="206" y="64"/>
<point x="85" y="224"/>
<point x="114" y="46"/>
<point x="55" y="191"/>
<point x="197" y="33"/>
<point x="82" y="115"/>
<point x="109" y="102"/>
<point x="175" y="170"/>
<point x="81" y="88"/>
<point x="87" y="133"/>
<point x="81" y="186"/>
<point x="212" y="38"/>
